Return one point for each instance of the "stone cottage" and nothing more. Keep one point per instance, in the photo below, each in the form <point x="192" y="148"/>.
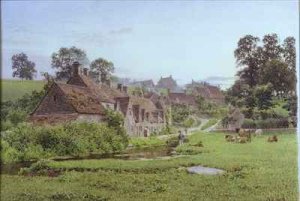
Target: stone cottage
<point x="167" y="83"/>
<point x="82" y="99"/>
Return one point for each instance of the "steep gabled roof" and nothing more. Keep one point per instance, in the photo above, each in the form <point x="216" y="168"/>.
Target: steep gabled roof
<point x="102" y="91"/>
<point x="82" y="99"/>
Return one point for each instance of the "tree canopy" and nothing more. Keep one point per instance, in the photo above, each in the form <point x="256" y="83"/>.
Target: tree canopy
<point x="64" y="58"/>
<point x="22" y="67"/>
<point x="103" y="68"/>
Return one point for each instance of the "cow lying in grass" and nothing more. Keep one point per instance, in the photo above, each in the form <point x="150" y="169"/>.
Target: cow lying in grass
<point x="243" y="136"/>
<point x="273" y="138"/>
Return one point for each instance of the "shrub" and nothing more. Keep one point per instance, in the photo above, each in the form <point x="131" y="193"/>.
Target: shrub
<point x="16" y="116"/>
<point x="26" y="142"/>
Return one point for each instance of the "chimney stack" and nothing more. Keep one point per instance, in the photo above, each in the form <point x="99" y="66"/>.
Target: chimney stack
<point x="75" y="66"/>
<point x="85" y="71"/>
<point x="119" y="87"/>
<point x="125" y="89"/>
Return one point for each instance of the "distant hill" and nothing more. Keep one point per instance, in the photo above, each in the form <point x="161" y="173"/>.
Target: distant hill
<point x="14" y="89"/>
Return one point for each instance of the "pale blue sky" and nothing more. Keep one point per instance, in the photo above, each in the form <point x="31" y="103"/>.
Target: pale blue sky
<point x="188" y="39"/>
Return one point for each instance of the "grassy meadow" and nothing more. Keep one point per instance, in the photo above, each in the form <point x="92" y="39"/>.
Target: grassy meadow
<point x="254" y="171"/>
<point x="14" y="89"/>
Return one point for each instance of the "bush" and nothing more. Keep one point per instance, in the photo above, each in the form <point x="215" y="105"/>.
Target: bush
<point x="26" y="142"/>
<point x="249" y="123"/>
<point x="266" y="123"/>
<point x="16" y="116"/>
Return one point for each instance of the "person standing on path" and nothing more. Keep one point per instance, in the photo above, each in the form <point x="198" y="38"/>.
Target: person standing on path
<point x="181" y="137"/>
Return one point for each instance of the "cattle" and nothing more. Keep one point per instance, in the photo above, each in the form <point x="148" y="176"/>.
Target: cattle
<point x="258" y="132"/>
<point x="273" y="138"/>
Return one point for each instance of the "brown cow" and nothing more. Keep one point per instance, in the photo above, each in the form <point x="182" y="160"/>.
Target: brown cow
<point x="273" y="138"/>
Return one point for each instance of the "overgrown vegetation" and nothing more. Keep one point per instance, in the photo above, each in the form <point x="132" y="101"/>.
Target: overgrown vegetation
<point x="254" y="171"/>
<point x="27" y="142"/>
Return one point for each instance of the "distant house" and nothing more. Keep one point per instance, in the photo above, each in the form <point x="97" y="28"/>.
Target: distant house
<point x="167" y="83"/>
<point x="182" y="99"/>
<point x="208" y="92"/>
<point x="81" y="99"/>
<point x="147" y="84"/>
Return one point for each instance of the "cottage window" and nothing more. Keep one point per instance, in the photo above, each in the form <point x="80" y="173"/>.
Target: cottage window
<point x="54" y="98"/>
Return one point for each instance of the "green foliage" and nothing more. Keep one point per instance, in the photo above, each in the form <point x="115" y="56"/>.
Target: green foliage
<point x="22" y="67"/>
<point x="71" y="139"/>
<point x="266" y="123"/>
<point x="16" y="116"/>
<point x="139" y="142"/>
<point x="179" y="113"/>
<point x="189" y="122"/>
<point x="263" y="95"/>
<point x="63" y="59"/>
<point x="103" y="68"/>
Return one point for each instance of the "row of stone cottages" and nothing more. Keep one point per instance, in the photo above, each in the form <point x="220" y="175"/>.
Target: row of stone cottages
<point x="82" y="99"/>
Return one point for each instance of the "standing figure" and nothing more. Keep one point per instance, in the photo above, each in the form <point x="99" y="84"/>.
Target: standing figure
<point x="181" y="137"/>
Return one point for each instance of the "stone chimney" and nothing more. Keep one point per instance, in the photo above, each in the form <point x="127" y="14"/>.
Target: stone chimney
<point x="85" y="71"/>
<point x="75" y="67"/>
<point x="125" y="89"/>
<point x="119" y="87"/>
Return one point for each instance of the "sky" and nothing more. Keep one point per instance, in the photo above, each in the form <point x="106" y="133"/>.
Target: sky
<point x="144" y="39"/>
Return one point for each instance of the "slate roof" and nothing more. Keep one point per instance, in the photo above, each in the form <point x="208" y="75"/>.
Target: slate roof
<point x="181" y="98"/>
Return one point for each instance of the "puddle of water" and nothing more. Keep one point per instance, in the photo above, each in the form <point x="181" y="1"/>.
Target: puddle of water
<point x="204" y="170"/>
<point x="130" y="154"/>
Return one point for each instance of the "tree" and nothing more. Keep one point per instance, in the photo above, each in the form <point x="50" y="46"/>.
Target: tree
<point x="64" y="58"/>
<point x="22" y="67"/>
<point x="248" y="55"/>
<point x="263" y="94"/>
<point x="103" y="68"/>
<point x="280" y="76"/>
<point x="289" y="55"/>
<point x="271" y="48"/>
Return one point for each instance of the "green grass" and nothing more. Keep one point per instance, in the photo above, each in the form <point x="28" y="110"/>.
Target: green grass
<point x="208" y="124"/>
<point x="14" y="89"/>
<point x="139" y="142"/>
<point x="254" y="171"/>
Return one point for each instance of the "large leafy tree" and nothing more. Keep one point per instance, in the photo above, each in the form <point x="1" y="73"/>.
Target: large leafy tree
<point x="248" y="57"/>
<point x="280" y="76"/>
<point x="22" y="67"/>
<point x="64" y="58"/>
<point x="103" y="68"/>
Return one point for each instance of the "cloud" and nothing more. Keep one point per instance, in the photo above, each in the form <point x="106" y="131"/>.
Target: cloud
<point x="124" y="30"/>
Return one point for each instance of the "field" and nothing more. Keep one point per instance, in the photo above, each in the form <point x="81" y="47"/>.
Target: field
<point x="254" y="171"/>
<point x="14" y="89"/>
